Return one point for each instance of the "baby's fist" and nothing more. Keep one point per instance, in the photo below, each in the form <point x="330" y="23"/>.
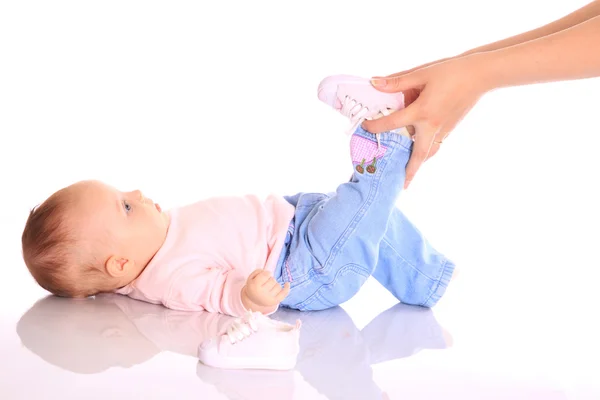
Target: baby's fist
<point x="263" y="290"/>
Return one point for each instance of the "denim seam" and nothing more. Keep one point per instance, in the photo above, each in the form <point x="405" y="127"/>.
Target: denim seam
<point x="403" y="259"/>
<point x="439" y="281"/>
<point x="358" y="216"/>
<point x="311" y="205"/>
<point x="350" y="267"/>
<point x="287" y="268"/>
<point x="384" y="136"/>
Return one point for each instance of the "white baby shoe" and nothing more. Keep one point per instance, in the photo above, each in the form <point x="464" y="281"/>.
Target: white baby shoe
<point x="253" y="342"/>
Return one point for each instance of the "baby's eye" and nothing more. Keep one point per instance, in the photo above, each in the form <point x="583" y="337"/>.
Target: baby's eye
<point x="127" y="206"/>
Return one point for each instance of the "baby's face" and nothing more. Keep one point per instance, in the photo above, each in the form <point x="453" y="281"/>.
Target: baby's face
<point x="134" y="226"/>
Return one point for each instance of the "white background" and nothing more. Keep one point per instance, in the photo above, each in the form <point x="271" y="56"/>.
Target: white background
<point x="190" y="99"/>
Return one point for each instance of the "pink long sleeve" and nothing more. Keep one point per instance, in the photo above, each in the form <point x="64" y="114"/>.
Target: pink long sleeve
<point x="210" y="289"/>
<point x="212" y="246"/>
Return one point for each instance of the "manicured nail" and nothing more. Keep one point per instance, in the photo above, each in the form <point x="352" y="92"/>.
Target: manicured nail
<point x="378" y="82"/>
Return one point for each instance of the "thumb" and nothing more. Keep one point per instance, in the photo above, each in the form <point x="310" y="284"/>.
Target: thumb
<point x="393" y="84"/>
<point x="398" y="119"/>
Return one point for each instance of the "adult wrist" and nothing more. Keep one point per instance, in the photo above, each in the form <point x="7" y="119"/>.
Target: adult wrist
<point x="485" y="70"/>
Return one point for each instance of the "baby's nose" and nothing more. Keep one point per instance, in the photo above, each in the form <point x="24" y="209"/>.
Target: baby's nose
<point x="138" y="194"/>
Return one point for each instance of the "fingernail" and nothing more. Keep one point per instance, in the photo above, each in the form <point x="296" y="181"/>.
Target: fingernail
<point x="406" y="184"/>
<point x="378" y="82"/>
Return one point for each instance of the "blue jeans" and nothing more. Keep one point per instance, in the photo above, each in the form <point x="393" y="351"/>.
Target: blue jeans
<point x="337" y="240"/>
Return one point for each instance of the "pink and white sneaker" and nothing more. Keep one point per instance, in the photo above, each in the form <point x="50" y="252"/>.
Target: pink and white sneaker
<point x="253" y="342"/>
<point x="355" y="98"/>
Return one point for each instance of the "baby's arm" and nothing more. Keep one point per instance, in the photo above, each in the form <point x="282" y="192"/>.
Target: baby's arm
<point x="263" y="293"/>
<point x="224" y="290"/>
<point x="214" y="289"/>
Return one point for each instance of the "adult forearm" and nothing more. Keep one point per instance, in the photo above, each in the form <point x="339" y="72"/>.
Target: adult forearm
<point x="570" y="54"/>
<point x="577" y="17"/>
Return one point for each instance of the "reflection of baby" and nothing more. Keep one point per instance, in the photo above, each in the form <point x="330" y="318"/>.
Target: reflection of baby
<point x="84" y="336"/>
<point x="92" y="335"/>
<point x="337" y="358"/>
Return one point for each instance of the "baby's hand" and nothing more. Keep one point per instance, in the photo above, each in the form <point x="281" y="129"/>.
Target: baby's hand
<point x="263" y="290"/>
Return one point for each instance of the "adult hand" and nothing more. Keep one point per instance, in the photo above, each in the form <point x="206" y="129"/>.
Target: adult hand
<point x="438" y="96"/>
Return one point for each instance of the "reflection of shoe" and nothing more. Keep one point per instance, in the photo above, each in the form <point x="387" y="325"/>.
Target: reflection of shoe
<point x="253" y="342"/>
<point x="357" y="99"/>
<point x="249" y="384"/>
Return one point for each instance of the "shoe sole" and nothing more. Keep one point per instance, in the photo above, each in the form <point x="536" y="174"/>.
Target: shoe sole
<point x="283" y="364"/>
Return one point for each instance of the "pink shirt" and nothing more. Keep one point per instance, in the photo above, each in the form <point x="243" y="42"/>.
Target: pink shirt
<point x="211" y="248"/>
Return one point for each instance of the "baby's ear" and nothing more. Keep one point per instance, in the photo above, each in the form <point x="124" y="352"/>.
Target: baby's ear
<point x="117" y="266"/>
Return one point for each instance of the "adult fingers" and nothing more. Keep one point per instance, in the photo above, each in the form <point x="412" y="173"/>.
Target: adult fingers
<point x="397" y="119"/>
<point x="436" y="145"/>
<point x="423" y="141"/>
<point x="397" y="83"/>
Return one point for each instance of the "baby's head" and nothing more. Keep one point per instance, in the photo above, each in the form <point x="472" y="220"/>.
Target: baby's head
<point x="90" y="238"/>
<point x="85" y="336"/>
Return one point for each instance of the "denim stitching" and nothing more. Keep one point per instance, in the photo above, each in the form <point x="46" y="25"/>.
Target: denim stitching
<point x="403" y="259"/>
<point x="287" y="268"/>
<point x="350" y="267"/>
<point x="439" y="282"/>
<point x="359" y="214"/>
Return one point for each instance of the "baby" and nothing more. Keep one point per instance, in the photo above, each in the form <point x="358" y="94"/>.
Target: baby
<point x="309" y="251"/>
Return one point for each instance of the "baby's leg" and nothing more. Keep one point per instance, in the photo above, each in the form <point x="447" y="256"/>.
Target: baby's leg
<point x="337" y="237"/>
<point x="409" y="267"/>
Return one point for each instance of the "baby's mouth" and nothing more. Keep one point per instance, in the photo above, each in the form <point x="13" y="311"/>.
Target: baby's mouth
<point x="158" y="207"/>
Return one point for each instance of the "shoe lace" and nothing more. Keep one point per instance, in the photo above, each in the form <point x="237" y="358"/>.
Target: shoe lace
<point x="357" y="113"/>
<point x="354" y="110"/>
<point x="241" y="328"/>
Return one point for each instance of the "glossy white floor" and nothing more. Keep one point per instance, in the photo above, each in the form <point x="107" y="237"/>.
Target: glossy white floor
<point x="187" y="101"/>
